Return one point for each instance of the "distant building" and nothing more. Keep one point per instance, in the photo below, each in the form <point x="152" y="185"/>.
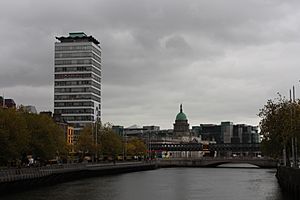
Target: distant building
<point x="228" y="133"/>
<point x="134" y="131"/>
<point x="68" y="129"/>
<point x="77" y="80"/>
<point x="208" y="132"/>
<point x="70" y="136"/>
<point x="48" y="113"/>
<point x="30" y="109"/>
<point x="151" y="128"/>
<point x="7" y="103"/>
<point x="118" y="130"/>
<point x="137" y="132"/>
<point x="1" y="102"/>
<point x="181" y="126"/>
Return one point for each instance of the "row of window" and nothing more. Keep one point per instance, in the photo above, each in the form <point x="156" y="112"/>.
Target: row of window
<point x="74" y="104"/>
<point x="77" y="90"/>
<point x="79" y="83"/>
<point x="74" y="111"/>
<point x="79" y="118"/>
<point x="78" y="62"/>
<point x="78" y="125"/>
<point x="78" y="55"/>
<point x="75" y="76"/>
<point x="77" y="97"/>
<point x="63" y="76"/>
<point x="73" y="62"/>
<point x="78" y="48"/>
<point x="78" y="69"/>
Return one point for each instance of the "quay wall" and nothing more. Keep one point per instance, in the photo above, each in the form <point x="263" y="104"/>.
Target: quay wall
<point x="12" y="180"/>
<point x="20" y="180"/>
<point x="214" y="162"/>
<point x="289" y="181"/>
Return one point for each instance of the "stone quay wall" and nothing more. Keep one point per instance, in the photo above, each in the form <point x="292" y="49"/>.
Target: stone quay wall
<point x="12" y="180"/>
<point x="289" y="181"/>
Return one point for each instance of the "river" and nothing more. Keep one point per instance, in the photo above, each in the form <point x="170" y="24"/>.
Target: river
<point x="166" y="184"/>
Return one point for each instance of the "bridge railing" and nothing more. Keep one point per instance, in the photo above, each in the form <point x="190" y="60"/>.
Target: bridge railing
<point x="221" y="158"/>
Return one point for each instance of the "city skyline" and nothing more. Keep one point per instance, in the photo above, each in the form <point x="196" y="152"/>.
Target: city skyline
<point x="221" y="60"/>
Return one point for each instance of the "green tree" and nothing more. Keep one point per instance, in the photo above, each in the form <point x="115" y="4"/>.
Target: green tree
<point x="14" y="135"/>
<point x="110" y="143"/>
<point x="47" y="139"/>
<point x="136" y="147"/>
<point x="23" y="133"/>
<point x="86" y="143"/>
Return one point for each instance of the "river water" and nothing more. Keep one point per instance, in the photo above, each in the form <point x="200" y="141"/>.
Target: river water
<point x="166" y="184"/>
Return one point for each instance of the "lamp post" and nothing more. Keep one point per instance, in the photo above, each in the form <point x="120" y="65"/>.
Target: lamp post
<point x="96" y="134"/>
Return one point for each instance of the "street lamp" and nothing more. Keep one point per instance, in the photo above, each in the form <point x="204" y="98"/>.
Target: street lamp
<point x="96" y="139"/>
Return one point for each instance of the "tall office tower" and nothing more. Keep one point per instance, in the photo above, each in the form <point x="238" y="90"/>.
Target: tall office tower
<point x="77" y="80"/>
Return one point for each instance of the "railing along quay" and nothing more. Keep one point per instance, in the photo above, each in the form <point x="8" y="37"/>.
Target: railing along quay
<point x="16" y="174"/>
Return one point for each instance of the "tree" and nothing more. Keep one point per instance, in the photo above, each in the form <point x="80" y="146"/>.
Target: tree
<point x="86" y="143"/>
<point x="23" y="134"/>
<point x="279" y="124"/>
<point x="136" y="147"/>
<point x="14" y="135"/>
<point x="47" y="139"/>
<point x="110" y="142"/>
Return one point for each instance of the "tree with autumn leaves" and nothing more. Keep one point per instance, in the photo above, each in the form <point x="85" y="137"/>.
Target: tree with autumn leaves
<point x="280" y="124"/>
<point x="108" y="143"/>
<point x="23" y="134"/>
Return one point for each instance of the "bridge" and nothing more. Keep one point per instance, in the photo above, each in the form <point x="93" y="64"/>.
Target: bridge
<point x="200" y="147"/>
<point x="214" y="162"/>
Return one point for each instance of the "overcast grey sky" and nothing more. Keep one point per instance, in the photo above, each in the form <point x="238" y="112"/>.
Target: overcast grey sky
<point x="222" y="59"/>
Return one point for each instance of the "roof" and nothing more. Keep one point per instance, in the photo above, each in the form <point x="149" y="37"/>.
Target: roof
<point x="77" y="36"/>
<point x="181" y="116"/>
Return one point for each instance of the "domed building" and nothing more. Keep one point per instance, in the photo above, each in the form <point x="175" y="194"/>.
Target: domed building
<point x="181" y="125"/>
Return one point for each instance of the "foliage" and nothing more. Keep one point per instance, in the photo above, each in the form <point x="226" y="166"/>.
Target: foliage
<point x="280" y="122"/>
<point x="86" y="143"/>
<point x="14" y="135"/>
<point x="47" y="138"/>
<point x="110" y="142"/>
<point x="23" y="134"/>
<point x="136" y="147"/>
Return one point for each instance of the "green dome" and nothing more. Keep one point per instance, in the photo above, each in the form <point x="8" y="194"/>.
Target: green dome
<point x="181" y="116"/>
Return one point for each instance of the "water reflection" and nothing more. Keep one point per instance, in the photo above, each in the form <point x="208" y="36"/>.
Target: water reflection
<point x="238" y="165"/>
<point x="167" y="184"/>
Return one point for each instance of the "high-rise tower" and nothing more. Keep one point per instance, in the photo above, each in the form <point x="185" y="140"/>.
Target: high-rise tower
<point x="77" y="79"/>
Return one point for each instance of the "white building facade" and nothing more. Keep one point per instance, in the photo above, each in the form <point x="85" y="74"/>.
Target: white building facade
<point x="77" y="80"/>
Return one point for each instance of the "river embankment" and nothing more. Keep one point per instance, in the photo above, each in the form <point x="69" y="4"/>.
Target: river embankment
<point x="30" y="178"/>
<point x="289" y="181"/>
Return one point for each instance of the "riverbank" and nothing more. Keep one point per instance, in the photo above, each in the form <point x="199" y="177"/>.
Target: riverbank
<point x="13" y="180"/>
<point x="31" y="178"/>
<point x="180" y="183"/>
<point x="289" y="181"/>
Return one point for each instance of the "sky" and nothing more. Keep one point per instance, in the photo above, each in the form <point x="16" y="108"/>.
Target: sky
<point x="221" y="59"/>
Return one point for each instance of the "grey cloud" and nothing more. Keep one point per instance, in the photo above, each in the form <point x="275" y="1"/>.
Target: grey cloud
<point x="221" y="59"/>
